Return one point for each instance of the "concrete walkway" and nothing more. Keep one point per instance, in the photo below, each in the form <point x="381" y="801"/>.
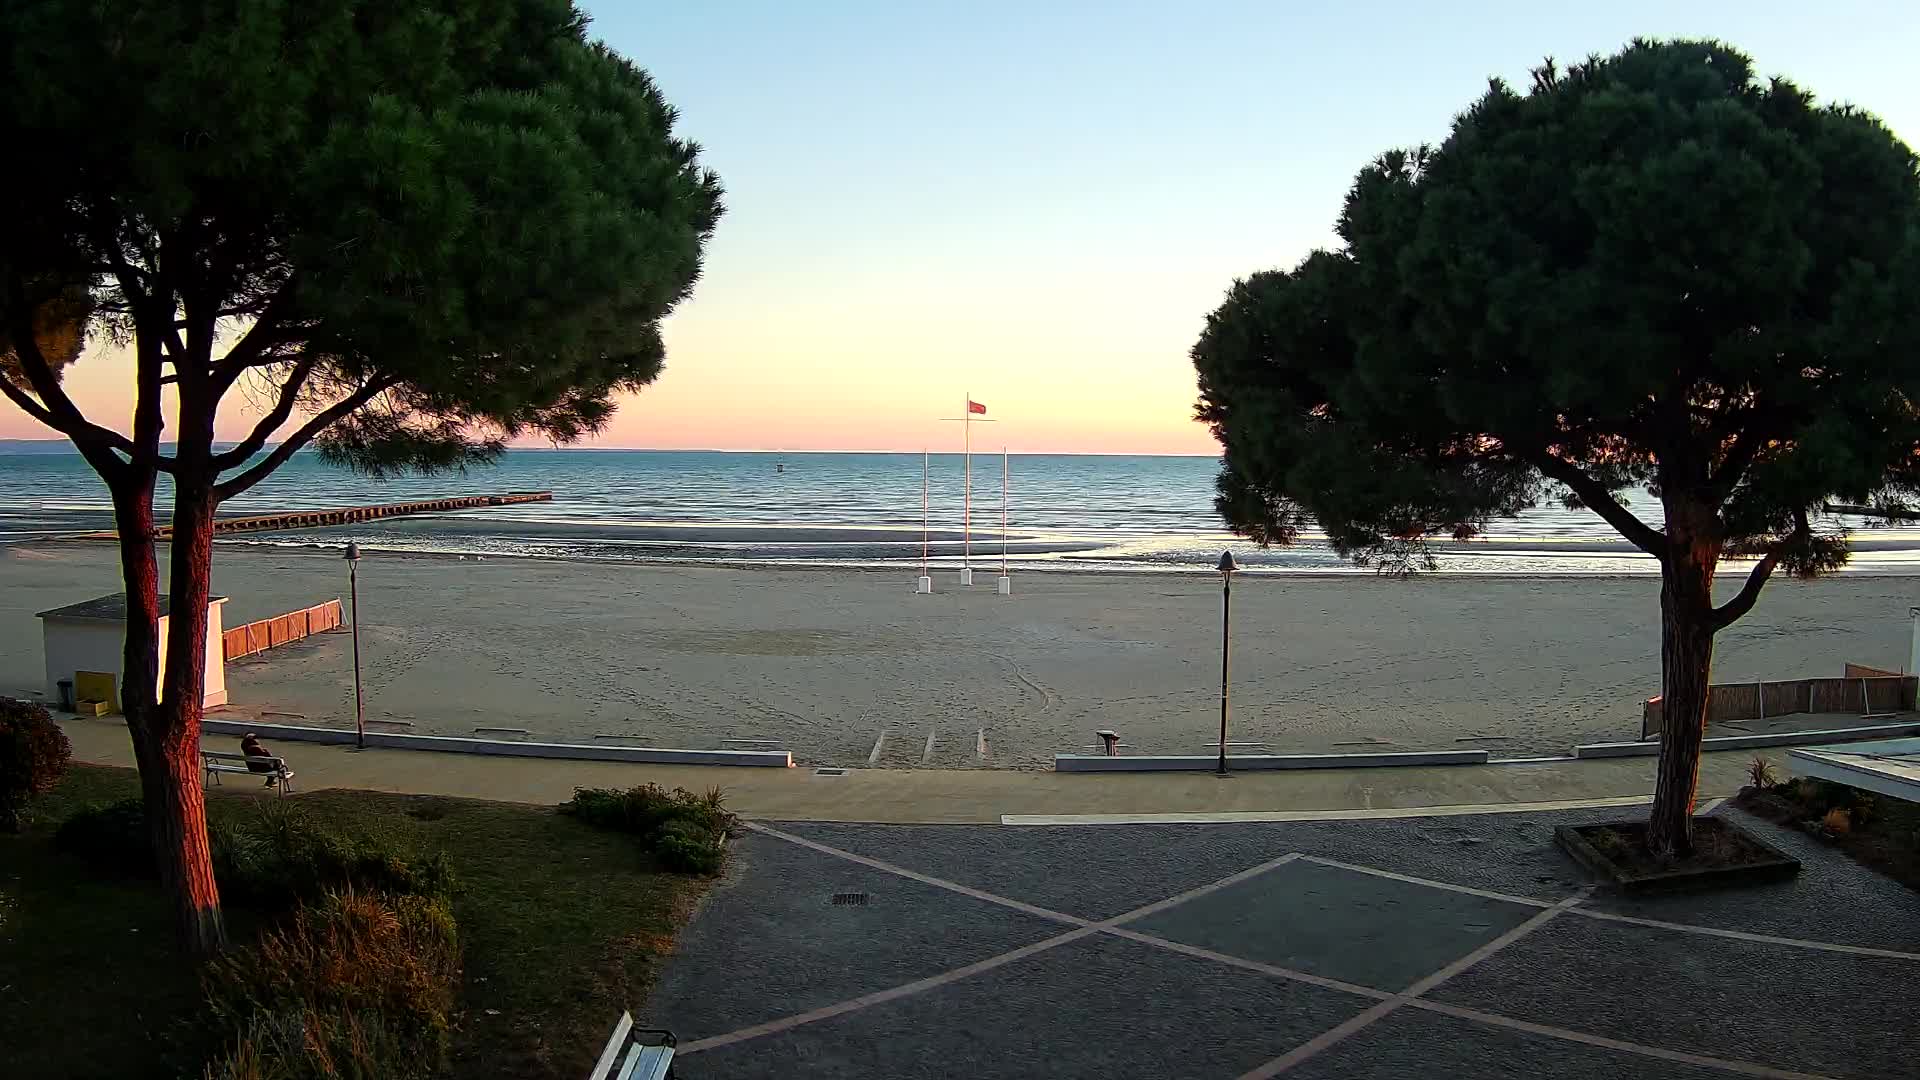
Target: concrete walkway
<point x="962" y="796"/>
<point x="1460" y="947"/>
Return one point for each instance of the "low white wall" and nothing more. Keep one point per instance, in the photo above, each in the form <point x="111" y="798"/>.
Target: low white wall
<point x="1252" y="762"/>
<point x="652" y="755"/>
<point x="1651" y="747"/>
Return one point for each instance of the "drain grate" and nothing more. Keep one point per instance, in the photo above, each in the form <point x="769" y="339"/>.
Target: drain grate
<point x="829" y="772"/>
<point x="849" y="899"/>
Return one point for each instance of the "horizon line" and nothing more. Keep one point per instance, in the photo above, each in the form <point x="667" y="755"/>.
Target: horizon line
<point x="949" y="453"/>
<point x="720" y="450"/>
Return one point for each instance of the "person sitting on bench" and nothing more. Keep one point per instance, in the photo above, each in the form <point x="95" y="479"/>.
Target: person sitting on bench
<point x="251" y="746"/>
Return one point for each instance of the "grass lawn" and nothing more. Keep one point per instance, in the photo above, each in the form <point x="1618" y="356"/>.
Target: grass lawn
<point x="562" y="926"/>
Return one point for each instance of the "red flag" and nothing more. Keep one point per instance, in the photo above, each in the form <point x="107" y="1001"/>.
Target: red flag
<point x="975" y="407"/>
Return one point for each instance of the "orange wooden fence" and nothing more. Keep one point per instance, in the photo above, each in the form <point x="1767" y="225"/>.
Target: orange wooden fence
<point x="1863" y="691"/>
<point x="267" y="633"/>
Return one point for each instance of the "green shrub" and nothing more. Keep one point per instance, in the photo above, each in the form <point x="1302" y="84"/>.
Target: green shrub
<point x="33" y="756"/>
<point x="356" y="985"/>
<point x="684" y="832"/>
<point x="1815" y="799"/>
<point x="112" y="836"/>
<point x="686" y="847"/>
<point x="281" y="855"/>
<point x="271" y="859"/>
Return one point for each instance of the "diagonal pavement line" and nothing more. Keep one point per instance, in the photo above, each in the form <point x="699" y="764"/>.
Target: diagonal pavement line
<point x="924" y="879"/>
<point x="1018" y="905"/>
<point x="1742" y="935"/>
<point x="1176" y="900"/>
<point x="1590" y="913"/>
<point x="1428" y="882"/>
<point x="1746" y="1068"/>
<point x="827" y="1012"/>
<point x="1473" y="1015"/>
<point x="1494" y="946"/>
<point x="1084" y="928"/>
<point x="955" y="975"/>
<point x="1250" y="965"/>
<point x="1362" y="1020"/>
<point x="1387" y="1002"/>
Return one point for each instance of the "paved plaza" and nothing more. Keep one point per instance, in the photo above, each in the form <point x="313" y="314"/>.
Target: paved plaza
<point x="1436" y="946"/>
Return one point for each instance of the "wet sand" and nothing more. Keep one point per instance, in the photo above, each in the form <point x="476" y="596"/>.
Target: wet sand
<point x="826" y="662"/>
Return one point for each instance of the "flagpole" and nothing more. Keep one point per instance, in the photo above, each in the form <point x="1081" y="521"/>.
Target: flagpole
<point x="966" y="513"/>
<point x="1006" y="583"/>
<point x="925" y="583"/>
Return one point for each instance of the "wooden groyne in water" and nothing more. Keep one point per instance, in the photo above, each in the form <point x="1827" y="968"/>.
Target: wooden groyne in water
<point x="1888" y="513"/>
<point x="347" y="515"/>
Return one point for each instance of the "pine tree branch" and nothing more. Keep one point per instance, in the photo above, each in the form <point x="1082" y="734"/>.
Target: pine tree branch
<point x="128" y="274"/>
<point x="281" y="411"/>
<point x="1730" y="612"/>
<point x="1734" y="464"/>
<point x="56" y="410"/>
<point x="1758" y="428"/>
<point x="320" y="422"/>
<point x="1601" y="501"/>
<point x="27" y="404"/>
<point x="250" y="351"/>
<point x="147" y="421"/>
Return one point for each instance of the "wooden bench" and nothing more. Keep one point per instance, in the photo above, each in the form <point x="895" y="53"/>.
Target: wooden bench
<point x="274" y="767"/>
<point x="635" y="1054"/>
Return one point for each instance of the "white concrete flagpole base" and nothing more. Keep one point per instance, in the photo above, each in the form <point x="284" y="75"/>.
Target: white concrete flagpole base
<point x="923" y="584"/>
<point x="966" y="576"/>
<point x="1006" y="585"/>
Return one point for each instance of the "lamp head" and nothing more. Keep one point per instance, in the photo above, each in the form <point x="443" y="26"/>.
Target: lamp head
<point x="1227" y="565"/>
<point x="353" y="552"/>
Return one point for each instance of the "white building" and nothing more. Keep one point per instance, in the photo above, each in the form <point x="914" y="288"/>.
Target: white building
<point x="91" y="637"/>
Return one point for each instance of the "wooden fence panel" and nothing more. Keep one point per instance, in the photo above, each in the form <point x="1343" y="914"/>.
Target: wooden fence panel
<point x="279" y="630"/>
<point x="323" y="617"/>
<point x="1856" y="694"/>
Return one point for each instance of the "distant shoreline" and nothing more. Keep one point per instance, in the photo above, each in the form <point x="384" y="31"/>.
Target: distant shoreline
<point x="984" y="565"/>
<point x="1142" y="515"/>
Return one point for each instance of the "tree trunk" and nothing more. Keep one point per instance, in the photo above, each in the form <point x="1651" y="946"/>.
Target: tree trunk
<point x="166" y="742"/>
<point x="180" y="830"/>
<point x="140" y="571"/>
<point x="1686" y="662"/>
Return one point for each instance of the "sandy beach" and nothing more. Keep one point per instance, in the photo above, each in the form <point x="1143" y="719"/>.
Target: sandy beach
<point x="826" y="662"/>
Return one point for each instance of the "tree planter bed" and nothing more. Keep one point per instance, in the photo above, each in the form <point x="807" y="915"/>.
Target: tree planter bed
<point x="1725" y="855"/>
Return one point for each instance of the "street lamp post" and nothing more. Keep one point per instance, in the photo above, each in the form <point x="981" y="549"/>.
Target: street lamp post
<point x="353" y="593"/>
<point x="1227" y="567"/>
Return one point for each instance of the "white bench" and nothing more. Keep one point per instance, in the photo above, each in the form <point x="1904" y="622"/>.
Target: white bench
<point x="274" y="767"/>
<point x="635" y="1054"/>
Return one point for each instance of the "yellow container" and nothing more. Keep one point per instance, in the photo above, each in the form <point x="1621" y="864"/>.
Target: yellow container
<point x="96" y="688"/>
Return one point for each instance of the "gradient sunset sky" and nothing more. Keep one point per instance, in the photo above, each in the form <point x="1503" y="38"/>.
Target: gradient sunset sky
<point x="1039" y="202"/>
